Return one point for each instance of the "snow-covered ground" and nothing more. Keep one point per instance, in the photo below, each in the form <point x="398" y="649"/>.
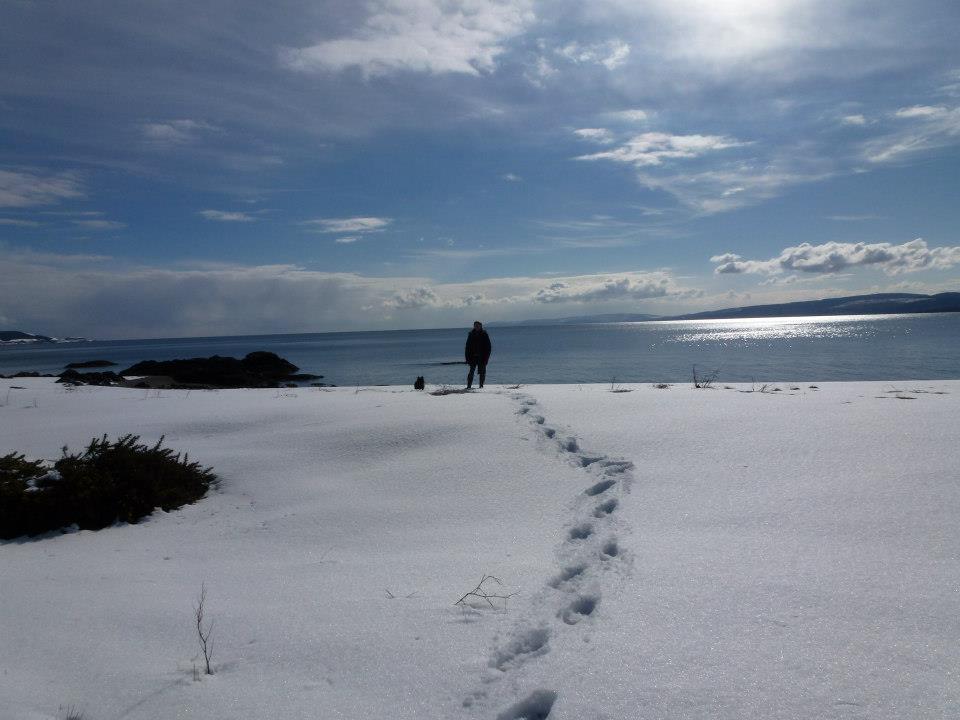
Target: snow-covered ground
<point x="675" y="553"/>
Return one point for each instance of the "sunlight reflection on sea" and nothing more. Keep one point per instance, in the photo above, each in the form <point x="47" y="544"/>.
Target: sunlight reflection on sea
<point x="840" y="326"/>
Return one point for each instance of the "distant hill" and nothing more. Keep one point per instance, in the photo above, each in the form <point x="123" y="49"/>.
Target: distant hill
<point x="876" y="304"/>
<point x="18" y="337"/>
<point x="581" y="319"/>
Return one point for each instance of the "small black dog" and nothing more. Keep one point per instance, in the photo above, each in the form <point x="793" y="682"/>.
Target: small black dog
<point x="419" y="384"/>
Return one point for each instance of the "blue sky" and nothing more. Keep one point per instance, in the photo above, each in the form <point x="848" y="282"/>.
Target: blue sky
<point x="212" y="167"/>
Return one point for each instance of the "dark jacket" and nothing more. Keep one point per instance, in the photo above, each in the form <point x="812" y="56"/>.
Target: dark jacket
<point x="478" y="347"/>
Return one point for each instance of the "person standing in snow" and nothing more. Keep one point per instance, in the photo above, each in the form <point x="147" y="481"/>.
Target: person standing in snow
<point x="477" y="352"/>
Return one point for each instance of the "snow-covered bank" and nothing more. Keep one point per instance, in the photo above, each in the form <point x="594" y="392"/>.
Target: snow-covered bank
<point x="677" y="553"/>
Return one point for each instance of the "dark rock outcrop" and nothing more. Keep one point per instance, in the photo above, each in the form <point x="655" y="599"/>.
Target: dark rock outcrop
<point x="256" y="370"/>
<point x="89" y="364"/>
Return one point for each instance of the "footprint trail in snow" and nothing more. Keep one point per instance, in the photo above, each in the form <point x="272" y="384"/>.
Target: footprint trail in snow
<point x="571" y="597"/>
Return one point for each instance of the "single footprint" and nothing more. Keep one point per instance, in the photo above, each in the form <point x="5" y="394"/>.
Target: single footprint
<point x="530" y="644"/>
<point x="605" y="508"/>
<point x="600" y="487"/>
<point x="570" y="445"/>
<point x="549" y="432"/>
<point x="616" y="467"/>
<point x="536" y="706"/>
<point x="581" y="532"/>
<point x="611" y="549"/>
<point x="568" y="574"/>
<point x="580" y="608"/>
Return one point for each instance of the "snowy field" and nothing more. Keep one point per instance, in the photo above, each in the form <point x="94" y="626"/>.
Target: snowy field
<point x="674" y="553"/>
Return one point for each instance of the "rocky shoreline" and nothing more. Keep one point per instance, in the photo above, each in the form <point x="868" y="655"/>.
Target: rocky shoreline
<point x="255" y="370"/>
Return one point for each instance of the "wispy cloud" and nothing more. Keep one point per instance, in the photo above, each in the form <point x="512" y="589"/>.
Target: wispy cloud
<point x="694" y="169"/>
<point x="227" y="216"/>
<point x="511" y="177"/>
<point x="927" y="128"/>
<point x="99" y="224"/>
<point x="853" y="218"/>
<point x="834" y="257"/>
<point x="432" y="36"/>
<point x="857" y="120"/>
<point x="922" y="111"/>
<point x="611" y="54"/>
<point x="475" y="253"/>
<point x="28" y="187"/>
<point x="71" y="213"/>
<point x="348" y="225"/>
<point x="653" y="148"/>
<point x="175" y="132"/>
<point x="598" y="135"/>
<point x="739" y="183"/>
<point x="634" y="115"/>
<point x="13" y="222"/>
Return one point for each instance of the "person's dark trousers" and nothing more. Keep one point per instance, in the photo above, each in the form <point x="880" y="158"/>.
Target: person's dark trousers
<point x="483" y="372"/>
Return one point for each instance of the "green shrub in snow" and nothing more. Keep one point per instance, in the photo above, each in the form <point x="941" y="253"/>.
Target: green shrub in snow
<point x="108" y="482"/>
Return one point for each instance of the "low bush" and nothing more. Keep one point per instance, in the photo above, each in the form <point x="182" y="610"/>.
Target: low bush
<point x="108" y="482"/>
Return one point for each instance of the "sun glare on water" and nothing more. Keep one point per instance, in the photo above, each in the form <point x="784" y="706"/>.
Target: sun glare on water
<point x="839" y="326"/>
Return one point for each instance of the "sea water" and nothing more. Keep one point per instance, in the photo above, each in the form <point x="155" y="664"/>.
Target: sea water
<point x="761" y="350"/>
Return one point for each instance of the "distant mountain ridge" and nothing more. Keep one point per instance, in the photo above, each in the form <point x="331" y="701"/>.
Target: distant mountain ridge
<point x="18" y="337"/>
<point x="580" y="319"/>
<point x="875" y="304"/>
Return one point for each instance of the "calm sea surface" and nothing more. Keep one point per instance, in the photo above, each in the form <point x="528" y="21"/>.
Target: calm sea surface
<point x="874" y="347"/>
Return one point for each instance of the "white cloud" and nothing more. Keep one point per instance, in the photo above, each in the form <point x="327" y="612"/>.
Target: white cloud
<point x="348" y="225"/>
<point x="540" y="71"/>
<point x="921" y="111"/>
<point x="412" y="299"/>
<point x="927" y="128"/>
<point x="633" y="115"/>
<point x="858" y="120"/>
<point x="654" y="286"/>
<point x="737" y="184"/>
<point x="346" y="240"/>
<point x="611" y="54"/>
<point x="72" y="213"/>
<point x="449" y="253"/>
<point x="598" y="135"/>
<point x="175" y="132"/>
<point x="227" y="216"/>
<point x="19" y="223"/>
<point x="834" y="257"/>
<point x="852" y="218"/>
<point x="99" y="224"/>
<point x="27" y="188"/>
<point x="510" y="177"/>
<point x="653" y="148"/>
<point x="432" y="36"/>
<point x="730" y="184"/>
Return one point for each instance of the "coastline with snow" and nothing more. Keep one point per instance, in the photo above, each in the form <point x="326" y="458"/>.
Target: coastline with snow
<point x="674" y="553"/>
